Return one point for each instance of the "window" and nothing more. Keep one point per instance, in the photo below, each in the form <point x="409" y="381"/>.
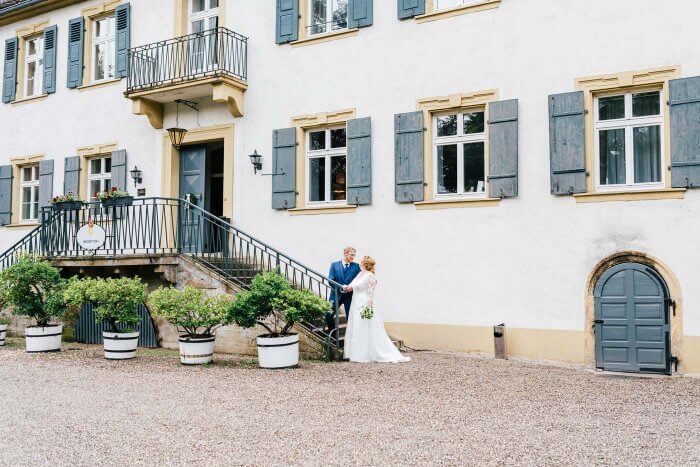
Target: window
<point x="327" y="16"/>
<point x="446" y="4"/>
<point x="203" y="15"/>
<point x="628" y="129"/>
<point x="34" y="66"/>
<point x="325" y="161"/>
<point x="29" y="193"/>
<point x="458" y="148"/>
<point x="99" y="175"/>
<point x="103" y="48"/>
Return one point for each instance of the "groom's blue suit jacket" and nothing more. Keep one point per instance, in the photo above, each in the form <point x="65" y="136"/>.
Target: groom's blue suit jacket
<point x="343" y="276"/>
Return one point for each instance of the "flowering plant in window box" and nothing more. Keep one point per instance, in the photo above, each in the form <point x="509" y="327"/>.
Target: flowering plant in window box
<point x="114" y="197"/>
<point x="68" y="202"/>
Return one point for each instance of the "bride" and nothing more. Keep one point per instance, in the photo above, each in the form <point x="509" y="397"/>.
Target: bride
<point x="366" y="340"/>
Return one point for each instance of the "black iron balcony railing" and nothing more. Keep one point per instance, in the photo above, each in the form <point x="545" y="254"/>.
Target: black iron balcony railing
<point x="216" y="52"/>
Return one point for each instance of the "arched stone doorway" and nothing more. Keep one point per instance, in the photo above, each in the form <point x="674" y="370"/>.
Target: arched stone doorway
<point x="658" y="288"/>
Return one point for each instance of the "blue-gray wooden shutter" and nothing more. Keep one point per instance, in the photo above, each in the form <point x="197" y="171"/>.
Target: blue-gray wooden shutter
<point x="284" y="156"/>
<point x="45" y="183"/>
<point x="119" y="169"/>
<point x="50" y="59"/>
<point x="287" y="21"/>
<point x="567" y="143"/>
<point x="9" y="77"/>
<point x="503" y="149"/>
<point x="76" y="33"/>
<point x="122" y="14"/>
<point x="359" y="162"/>
<point x="360" y="13"/>
<point x="684" y="106"/>
<point x="71" y="175"/>
<point x="5" y="194"/>
<point x="408" y="157"/>
<point x="410" y="8"/>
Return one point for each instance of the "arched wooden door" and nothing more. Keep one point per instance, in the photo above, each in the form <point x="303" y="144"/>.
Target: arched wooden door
<point x="632" y="330"/>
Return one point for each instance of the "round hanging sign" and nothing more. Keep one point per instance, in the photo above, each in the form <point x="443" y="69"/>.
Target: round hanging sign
<point x="91" y="236"/>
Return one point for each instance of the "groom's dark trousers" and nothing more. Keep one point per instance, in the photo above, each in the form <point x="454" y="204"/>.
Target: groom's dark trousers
<point x="344" y="275"/>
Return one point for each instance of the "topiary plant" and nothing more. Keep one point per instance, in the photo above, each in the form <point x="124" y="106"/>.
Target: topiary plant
<point x="190" y="309"/>
<point x="33" y="288"/>
<point x="117" y="300"/>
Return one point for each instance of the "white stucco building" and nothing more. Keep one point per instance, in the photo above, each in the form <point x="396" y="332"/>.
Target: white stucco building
<point x="528" y="162"/>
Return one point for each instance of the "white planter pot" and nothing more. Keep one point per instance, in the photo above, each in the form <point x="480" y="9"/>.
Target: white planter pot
<point x="43" y="338"/>
<point x="120" y="345"/>
<point x="196" y="350"/>
<point x="3" y="334"/>
<point x="278" y="352"/>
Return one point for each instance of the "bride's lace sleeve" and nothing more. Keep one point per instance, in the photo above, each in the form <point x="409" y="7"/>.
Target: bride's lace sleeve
<point x="371" y="284"/>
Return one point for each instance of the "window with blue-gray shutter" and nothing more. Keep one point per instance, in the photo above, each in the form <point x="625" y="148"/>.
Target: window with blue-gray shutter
<point x="50" y="59"/>
<point x="5" y="194"/>
<point x="76" y="36"/>
<point x="684" y="104"/>
<point x="71" y="175"/>
<point x="503" y="149"/>
<point x="119" y="169"/>
<point x="408" y="157"/>
<point x="287" y="21"/>
<point x="284" y="156"/>
<point x="9" y="77"/>
<point x="45" y="183"/>
<point x="122" y="14"/>
<point x="410" y="8"/>
<point x="360" y="13"/>
<point x="359" y="161"/>
<point x="567" y="148"/>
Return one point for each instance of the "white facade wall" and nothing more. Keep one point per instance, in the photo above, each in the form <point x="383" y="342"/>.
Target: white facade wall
<point x="524" y="261"/>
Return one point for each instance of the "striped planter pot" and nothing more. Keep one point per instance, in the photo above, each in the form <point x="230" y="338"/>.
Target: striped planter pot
<point x="43" y="338"/>
<point x="3" y="334"/>
<point x="196" y="350"/>
<point x="120" y="345"/>
<point x="278" y="352"/>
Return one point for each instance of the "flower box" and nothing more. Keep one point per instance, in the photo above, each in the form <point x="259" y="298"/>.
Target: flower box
<point x="67" y="205"/>
<point x="123" y="201"/>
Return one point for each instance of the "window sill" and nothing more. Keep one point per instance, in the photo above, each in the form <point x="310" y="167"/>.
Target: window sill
<point x="460" y="10"/>
<point x="604" y="196"/>
<point x="101" y="84"/>
<point x="457" y="203"/>
<point x="26" y="225"/>
<point x="329" y="36"/>
<point x="310" y="211"/>
<point x="28" y="100"/>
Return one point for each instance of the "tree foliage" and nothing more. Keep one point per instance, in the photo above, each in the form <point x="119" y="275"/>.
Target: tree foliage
<point x="190" y="309"/>
<point x="33" y="288"/>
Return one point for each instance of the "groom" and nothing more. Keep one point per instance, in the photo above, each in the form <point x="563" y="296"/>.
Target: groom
<point x="342" y="272"/>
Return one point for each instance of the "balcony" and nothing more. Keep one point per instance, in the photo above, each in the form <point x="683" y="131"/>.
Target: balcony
<point x="212" y="65"/>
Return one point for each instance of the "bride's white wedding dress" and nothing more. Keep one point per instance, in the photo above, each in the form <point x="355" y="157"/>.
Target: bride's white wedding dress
<point x="366" y="340"/>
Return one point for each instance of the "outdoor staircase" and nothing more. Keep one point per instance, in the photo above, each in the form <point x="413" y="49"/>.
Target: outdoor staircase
<point x="175" y="227"/>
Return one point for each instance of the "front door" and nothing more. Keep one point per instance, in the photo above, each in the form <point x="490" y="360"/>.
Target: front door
<point x="193" y="161"/>
<point x="631" y="320"/>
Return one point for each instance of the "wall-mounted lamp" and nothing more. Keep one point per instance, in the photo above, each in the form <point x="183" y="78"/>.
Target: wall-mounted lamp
<point x="256" y="160"/>
<point x="136" y="175"/>
<point x="177" y="134"/>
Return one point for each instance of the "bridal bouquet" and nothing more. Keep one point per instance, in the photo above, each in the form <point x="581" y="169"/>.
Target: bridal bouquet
<point x="367" y="312"/>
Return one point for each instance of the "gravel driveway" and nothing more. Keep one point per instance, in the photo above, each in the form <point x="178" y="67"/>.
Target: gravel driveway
<point x="441" y="408"/>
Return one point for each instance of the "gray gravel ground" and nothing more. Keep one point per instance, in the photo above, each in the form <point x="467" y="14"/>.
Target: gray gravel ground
<point x="77" y="408"/>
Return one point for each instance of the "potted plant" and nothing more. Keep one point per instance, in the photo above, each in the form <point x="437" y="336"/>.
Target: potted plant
<point x="196" y="313"/>
<point x="68" y="202"/>
<point x="33" y="288"/>
<point x="273" y="304"/>
<point x="114" y="197"/>
<point x="117" y="303"/>
<point x="4" y="322"/>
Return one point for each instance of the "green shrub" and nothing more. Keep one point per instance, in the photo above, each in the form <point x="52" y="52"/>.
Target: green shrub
<point x="190" y="309"/>
<point x="273" y="304"/>
<point x="33" y="288"/>
<point x="117" y="300"/>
